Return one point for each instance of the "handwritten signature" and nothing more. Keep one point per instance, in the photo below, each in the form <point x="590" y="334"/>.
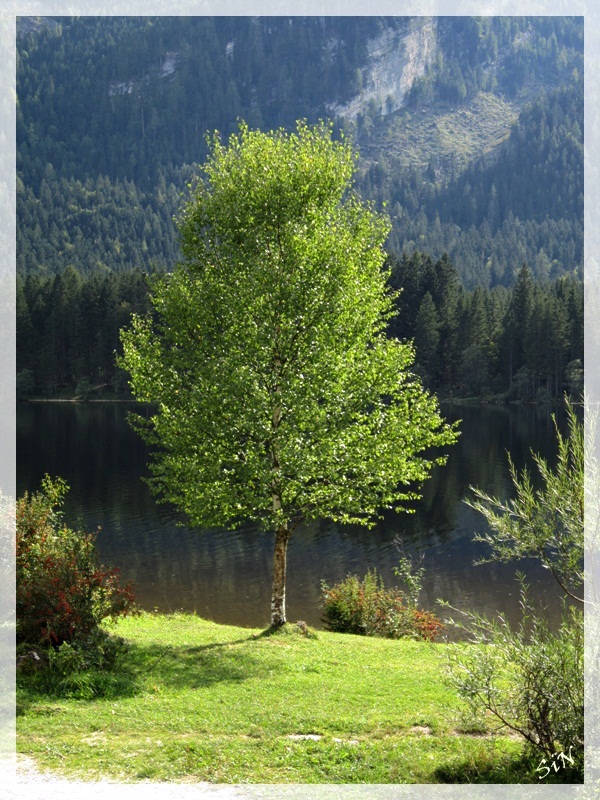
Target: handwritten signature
<point x="558" y="761"/>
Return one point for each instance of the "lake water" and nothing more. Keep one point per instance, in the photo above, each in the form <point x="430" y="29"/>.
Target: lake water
<point x="226" y="576"/>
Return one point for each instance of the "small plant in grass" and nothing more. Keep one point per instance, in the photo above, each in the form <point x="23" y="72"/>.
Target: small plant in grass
<point x="410" y="575"/>
<point x="62" y="593"/>
<point x="367" y="608"/>
<point x="94" y="666"/>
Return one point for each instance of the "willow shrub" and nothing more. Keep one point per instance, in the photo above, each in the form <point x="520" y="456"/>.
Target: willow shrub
<point x="367" y="608"/>
<point x="529" y="678"/>
<point x="62" y="593"/>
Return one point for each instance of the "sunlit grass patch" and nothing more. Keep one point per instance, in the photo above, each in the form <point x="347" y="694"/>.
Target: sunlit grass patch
<point x="226" y="704"/>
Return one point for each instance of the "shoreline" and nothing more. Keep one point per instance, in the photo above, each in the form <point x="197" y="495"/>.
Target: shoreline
<point x="465" y="401"/>
<point x="79" y="400"/>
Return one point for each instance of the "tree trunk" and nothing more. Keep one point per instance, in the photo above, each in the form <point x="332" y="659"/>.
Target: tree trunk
<point x="279" y="563"/>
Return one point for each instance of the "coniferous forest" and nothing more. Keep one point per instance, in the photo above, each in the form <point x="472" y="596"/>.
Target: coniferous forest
<point x="480" y="168"/>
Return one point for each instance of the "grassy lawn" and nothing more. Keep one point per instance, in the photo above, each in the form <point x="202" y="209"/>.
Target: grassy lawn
<point x="197" y="701"/>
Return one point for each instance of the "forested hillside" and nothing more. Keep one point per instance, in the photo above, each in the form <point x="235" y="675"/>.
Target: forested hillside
<point x="130" y="97"/>
<point x="469" y="132"/>
<point x="522" y="201"/>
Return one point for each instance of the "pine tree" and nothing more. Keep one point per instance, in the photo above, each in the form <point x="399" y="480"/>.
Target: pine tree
<point x="517" y="326"/>
<point x="427" y="337"/>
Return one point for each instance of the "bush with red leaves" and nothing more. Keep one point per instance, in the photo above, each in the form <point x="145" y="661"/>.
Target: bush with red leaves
<point x="366" y="607"/>
<point x="62" y="593"/>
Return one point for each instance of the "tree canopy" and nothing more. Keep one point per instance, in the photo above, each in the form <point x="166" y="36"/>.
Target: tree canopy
<point x="277" y="394"/>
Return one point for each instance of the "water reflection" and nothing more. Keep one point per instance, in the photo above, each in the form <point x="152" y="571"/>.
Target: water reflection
<point x="226" y="576"/>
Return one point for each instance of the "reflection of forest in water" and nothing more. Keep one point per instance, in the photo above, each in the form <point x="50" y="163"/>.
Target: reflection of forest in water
<point x="227" y="576"/>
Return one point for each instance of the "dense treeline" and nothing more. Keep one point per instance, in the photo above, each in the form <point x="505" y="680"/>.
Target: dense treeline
<point x="68" y="329"/>
<point x="97" y="223"/>
<point x="524" y="343"/>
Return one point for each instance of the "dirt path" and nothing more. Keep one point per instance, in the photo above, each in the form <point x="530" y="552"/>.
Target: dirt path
<point x="31" y="784"/>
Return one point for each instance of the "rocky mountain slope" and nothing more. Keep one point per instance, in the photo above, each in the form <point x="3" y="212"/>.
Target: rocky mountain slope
<point x="395" y="59"/>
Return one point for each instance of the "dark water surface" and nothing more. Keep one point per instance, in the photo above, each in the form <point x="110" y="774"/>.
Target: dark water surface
<point x="226" y="576"/>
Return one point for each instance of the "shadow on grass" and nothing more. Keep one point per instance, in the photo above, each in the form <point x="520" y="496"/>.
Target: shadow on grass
<point x="170" y="666"/>
<point x="203" y="665"/>
<point x="518" y="769"/>
<point x="47" y="684"/>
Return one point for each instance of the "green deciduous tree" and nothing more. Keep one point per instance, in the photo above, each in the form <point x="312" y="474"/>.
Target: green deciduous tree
<point x="277" y="395"/>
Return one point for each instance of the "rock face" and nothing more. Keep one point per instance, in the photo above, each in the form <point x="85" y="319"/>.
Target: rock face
<point x="396" y="58"/>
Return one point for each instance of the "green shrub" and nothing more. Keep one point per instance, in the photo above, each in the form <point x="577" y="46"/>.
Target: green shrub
<point x="89" y="667"/>
<point x="83" y="388"/>
<point x="528" y="678"/>
<point x="62" y="593"/>
<point x="97" y="650"/>
<point x="367" y="608"/>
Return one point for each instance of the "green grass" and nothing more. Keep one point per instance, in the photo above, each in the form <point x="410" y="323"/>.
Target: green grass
<point x="197" y="701"/>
